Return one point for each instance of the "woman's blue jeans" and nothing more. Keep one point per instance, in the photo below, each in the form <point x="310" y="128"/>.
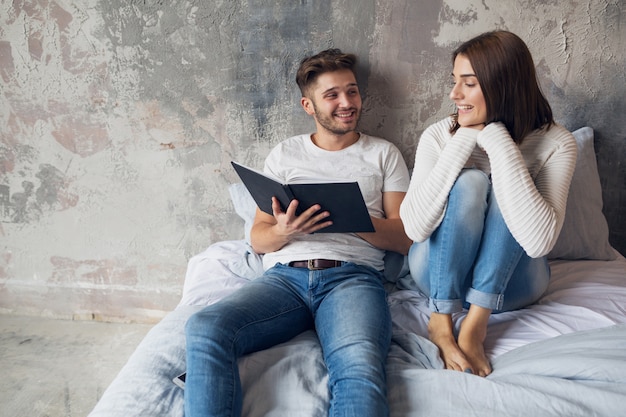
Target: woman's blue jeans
<point x="347" y="307"/>
<point x="472" y="258"/>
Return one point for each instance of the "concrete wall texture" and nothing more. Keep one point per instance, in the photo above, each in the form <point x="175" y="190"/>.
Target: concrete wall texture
<point x="119" y="120"/>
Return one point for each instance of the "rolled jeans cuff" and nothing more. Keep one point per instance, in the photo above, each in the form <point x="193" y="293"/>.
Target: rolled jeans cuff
<point x="445" y="306"/>
<point x="485" y="300"/>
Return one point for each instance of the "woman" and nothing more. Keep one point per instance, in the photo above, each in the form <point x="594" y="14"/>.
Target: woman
<point x="487" y="197"/>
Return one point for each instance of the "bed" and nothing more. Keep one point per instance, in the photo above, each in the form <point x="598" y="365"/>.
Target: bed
<point x="562" y="356"/>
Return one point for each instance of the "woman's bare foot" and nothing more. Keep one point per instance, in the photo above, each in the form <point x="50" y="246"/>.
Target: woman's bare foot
<point x="472" y="339"/>
<point x="441" y="334"/>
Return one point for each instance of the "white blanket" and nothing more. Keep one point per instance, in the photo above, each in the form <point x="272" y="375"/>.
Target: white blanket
<point x="564" y="356"/>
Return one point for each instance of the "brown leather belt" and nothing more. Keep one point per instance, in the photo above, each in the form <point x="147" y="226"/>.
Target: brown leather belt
<point x="315" y="264"/>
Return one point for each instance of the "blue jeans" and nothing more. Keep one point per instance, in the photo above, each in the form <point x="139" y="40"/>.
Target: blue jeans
<point x="472" y="258"/>
<point x="346" y="305"/>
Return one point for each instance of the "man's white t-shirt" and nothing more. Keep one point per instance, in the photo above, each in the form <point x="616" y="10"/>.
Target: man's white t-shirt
<point x="376" y="164"/>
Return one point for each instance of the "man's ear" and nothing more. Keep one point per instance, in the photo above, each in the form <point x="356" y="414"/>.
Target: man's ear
<point x="307" y="105"/>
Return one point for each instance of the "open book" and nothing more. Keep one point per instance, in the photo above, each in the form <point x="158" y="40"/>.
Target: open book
<point x="343" y="200"/>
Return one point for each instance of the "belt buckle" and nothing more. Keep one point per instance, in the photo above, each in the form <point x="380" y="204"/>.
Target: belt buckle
<point x="309" y="265"/>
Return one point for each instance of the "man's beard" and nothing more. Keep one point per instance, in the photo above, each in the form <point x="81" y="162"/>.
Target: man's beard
<point x="331" y="125"/>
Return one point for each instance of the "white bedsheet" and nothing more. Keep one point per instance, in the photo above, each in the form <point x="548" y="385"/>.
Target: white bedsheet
<point x="582" y="295"/>
<point x="548" y="359"/>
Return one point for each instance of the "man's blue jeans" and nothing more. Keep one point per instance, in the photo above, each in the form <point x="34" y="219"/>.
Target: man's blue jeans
<point x="347" y="307"/>
<point x="472" y="258"/>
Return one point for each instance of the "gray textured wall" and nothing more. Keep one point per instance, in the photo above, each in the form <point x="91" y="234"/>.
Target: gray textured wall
<point x="119" y="119"/>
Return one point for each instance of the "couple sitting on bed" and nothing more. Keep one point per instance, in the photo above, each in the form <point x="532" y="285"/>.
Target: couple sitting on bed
<point x="483" y="207"/>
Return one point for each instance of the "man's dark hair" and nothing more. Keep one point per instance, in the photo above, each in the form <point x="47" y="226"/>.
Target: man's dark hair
<point x="325" y="61"/>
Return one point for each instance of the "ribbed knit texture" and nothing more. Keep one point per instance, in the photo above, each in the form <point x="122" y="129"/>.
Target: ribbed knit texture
<point x="530" y="181"/>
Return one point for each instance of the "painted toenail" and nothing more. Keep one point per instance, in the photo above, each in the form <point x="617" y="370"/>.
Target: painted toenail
<point x="468" y="371"/>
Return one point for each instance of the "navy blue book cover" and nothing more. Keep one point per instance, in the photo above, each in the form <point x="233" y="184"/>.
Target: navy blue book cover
<point x="343" y="200"/>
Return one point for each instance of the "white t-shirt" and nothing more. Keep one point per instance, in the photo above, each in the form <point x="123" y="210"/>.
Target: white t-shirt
<point x="376" y="164"/>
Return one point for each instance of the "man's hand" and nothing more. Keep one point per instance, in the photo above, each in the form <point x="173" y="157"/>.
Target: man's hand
<point x="271" y="232"/>
<point x="289" y="224"/>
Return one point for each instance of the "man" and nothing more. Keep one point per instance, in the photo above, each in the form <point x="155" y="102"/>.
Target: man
<point x="342" y="295"/>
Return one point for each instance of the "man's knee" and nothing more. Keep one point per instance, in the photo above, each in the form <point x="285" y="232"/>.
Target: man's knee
<point x="203" y="323"/>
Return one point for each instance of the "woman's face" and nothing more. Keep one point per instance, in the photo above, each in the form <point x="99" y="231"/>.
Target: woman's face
<point x="467" y="95"/>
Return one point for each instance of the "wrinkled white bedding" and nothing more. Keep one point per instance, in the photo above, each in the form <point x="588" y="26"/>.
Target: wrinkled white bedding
<point x="564" y="355"/>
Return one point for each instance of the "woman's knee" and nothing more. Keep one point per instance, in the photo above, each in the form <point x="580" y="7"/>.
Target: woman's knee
<point x="469" y="195"/>
<point x="473" y="178"/>
<point x="471" y="184"/>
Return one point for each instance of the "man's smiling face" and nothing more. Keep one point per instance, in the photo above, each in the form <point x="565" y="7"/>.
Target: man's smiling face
<point x="336" y="102"/>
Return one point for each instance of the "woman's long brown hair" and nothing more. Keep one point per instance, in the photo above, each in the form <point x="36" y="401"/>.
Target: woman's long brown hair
<point x="506" y="74"/>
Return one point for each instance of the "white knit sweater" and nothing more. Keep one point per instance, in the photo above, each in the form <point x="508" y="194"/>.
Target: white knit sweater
<point x="530" y="181"/>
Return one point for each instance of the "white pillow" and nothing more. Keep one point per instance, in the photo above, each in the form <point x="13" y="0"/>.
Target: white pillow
<point x="244" y="204"/>
<point x="585" y="233"/>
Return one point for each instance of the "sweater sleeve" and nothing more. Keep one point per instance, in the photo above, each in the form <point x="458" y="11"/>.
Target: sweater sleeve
<point x="438" y="161"/>
<point x="533" y="209"/>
